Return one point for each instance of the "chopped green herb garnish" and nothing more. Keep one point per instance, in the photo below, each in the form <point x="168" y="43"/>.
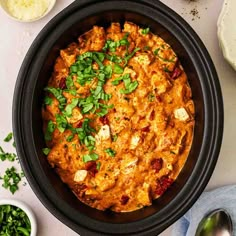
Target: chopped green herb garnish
<point x="70" y="138"/>
<point x="110" y="152"/>
<point x="84" y="134"/>
<point x="48" y="101"/>
<point x="146" y="48"/>
<point x="50" y="129"/>
<point x="11" y="179"/>
<point x="69" y="108"/>
<point x="14" y="221"/>
<point x="61" y="122"/>
<point x="129" y="86"/>
<point x="118" y="69"/>
<point x="90" y="157"/>
<point x="114" y="137"/>
<point x="58" y="95"/>
<point x="156" y="52"/>
<point x="145" y="31"/>
<point x="9" y="137"/>
<point x="70" y="83"/>
<point x="46" y="151"/>
<point x="151" y="97"/>
<point x="98" y="165"/>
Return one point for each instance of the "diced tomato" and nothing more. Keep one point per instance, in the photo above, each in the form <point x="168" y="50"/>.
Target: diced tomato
<point x="91" y="167"/>
<point x="146" y="129"/>
<point x="104" y="120"/>
<point x="176" y="73"/>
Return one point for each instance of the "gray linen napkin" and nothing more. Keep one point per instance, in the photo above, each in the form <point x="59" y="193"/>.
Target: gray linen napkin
<point x="224" y="197"/>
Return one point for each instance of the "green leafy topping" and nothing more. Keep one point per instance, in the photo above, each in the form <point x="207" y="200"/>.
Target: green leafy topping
<point x="114" y="137"/>
<point x="113" y="45"/>
<point x="70" y="138"/>
<point x="118" y="69"/>
<point x="156" y="52"/>
<point x="14" y="221"/>
<point x="70" y="83"/>
<point x="98" y="165"/>
<point x="48" y="101"/>
<point x="69" y="108"/>
<point x="110" y="152"/>
<point x="90" y="157"/>
<point x="129" y="86"/>
<point x="61" y="122"/>
<point x="11" y="179"/>
<point x="145" y="31"/>
<point x="146" y="48"/>
<point x="58" y="95"/>
<point x="116" y="81"/>
<point x="84" y="134"/>
<point x="128" y="57"/>
<point x="7" y="156"/>
<point x="9" y="137"/>
<point x="151" y="97"/>
<point x="50" y="129"/>
<point x="46" y="151"/>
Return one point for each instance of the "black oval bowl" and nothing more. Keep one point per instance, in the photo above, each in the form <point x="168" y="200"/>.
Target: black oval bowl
<point x="27" y="122"/>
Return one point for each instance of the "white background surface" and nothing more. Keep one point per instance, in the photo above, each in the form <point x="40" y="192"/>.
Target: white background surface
<point x="15" y="39"/>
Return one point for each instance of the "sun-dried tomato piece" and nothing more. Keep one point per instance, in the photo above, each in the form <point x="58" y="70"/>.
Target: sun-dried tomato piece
<point x="158" y="98"/>
<point x="152" y="115"/>
<point x="91" y="167"/>
<point x="145" y="129"/>
<point x="157" y="164"/>
<point x="163" y="184"/>
<point x="104" y="120"/>
<point x="124" y="199"/>
<point x="79" y="125"/>
<point x="62" y="84"/>
<point x="176" y="73"/>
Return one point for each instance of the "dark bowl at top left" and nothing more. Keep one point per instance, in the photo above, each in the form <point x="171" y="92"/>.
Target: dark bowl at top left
<point x="34" y="74"/>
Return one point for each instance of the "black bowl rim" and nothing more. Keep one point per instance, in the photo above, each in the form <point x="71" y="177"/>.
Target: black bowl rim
<point x="215" y="140"/>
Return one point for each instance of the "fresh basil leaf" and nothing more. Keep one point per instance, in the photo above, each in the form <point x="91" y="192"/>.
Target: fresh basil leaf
<point x="46" y="151"/>
<point x="48" y="101"/>
<point x="61" y="122"/>
<point x="145" y="31"/>
<point x="90" y="157"/>
<point x="118" y="69"/>
<point x="50" y="129"/>
<point x="110" y="152"/>
<point x="69" y="82"/>
<point x="69" y="108"/>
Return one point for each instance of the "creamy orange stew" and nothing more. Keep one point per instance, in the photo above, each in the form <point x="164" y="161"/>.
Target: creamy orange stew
<point x="118" y="117"/>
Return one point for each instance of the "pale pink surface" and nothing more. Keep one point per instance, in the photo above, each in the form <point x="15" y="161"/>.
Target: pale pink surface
<point x="15" y="39"/>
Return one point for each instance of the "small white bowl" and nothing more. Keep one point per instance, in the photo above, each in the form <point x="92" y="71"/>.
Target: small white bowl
<point x="3" y="4"/>
<point x="26" y="209"/>
<point x="226" y="31"/>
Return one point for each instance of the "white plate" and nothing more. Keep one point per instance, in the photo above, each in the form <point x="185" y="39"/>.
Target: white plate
<point x="227" y="31"/>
